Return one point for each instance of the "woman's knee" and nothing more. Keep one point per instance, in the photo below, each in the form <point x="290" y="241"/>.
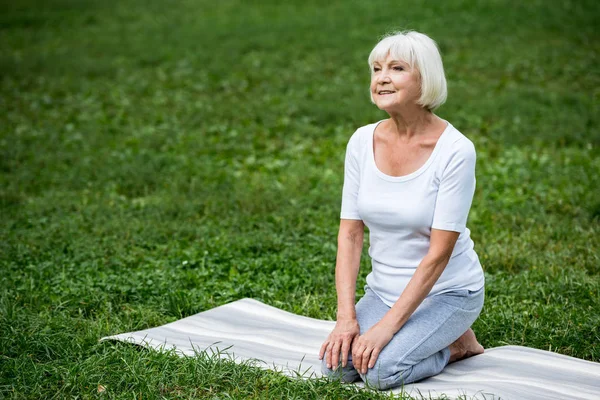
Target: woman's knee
<point x="346" y="374"/>
<point x="324" y="370"/>
<point x="386" y="375"/>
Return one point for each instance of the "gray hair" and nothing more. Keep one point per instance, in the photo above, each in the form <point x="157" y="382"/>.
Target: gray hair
<point x="421" y="52"/>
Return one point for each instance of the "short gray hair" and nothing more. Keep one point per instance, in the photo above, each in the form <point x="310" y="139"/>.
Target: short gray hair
<point x="421" y="52"/>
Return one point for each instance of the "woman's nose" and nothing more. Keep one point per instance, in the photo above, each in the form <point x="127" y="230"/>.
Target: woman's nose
<point x="383" y="76"/>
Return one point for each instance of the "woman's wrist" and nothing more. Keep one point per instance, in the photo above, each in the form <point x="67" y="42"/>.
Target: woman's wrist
<point x="346" y="315"/>
<point x="346" y="324"/>
<point x="391" y="323"/>
<point x="345" y="302"/>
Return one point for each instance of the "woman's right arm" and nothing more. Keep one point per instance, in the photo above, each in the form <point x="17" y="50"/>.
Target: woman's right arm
<point x="350" y="244"/>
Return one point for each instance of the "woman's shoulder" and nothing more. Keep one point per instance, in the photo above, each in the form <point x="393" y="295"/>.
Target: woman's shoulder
<point x="458" y="144"/>
<point x="362" y="135"/>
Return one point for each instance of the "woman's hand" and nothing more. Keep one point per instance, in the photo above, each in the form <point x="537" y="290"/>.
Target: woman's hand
<point x="340" y="338"/>
<point x="367" y="347"/>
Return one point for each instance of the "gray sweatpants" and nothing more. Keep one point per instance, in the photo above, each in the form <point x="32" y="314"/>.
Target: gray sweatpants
<point x="420" y="348"/>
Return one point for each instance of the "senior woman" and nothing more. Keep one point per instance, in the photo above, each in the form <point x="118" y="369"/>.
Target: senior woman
<point x="410" y="179"/>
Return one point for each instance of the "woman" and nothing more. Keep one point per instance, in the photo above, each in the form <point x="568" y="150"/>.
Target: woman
<point x="410" y="179"/>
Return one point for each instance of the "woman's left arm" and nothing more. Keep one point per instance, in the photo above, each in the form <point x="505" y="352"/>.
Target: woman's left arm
<point x="367" y="347"/>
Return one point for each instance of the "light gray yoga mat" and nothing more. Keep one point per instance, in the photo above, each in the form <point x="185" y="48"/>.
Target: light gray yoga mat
<point x="248" y="329"/>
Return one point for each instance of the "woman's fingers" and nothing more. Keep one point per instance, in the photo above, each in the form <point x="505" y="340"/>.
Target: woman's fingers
<point x="365" y="360"/>
<point x="364" y="357"/>
<point x="339" y="340"/>
<point x="345" y="350"/>
<point x="328" y="358"/>
<point x="335" y="354"/>
<point x="373" y="358"/>
<point x="323" y="348"/>
<point x="357" y="352"/>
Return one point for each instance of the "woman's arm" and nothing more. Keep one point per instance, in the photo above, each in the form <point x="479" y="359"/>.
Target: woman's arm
<point x="425" y="276"/>
<point x="367" y="348"/>
<point x="350" y="244"/>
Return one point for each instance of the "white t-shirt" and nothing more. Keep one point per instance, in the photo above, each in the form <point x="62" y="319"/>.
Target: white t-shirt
<point x="400" y="212"/>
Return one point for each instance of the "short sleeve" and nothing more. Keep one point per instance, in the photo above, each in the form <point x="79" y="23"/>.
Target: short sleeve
<point x="351" y="182"/>
<point x="456" y="190"/>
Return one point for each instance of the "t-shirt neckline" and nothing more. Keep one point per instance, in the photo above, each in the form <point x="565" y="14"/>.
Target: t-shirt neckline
<point x="413" y="174"/>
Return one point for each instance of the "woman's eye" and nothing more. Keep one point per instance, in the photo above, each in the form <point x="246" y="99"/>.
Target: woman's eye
<point x="398" y="68"/>
<point x="376" y="69"/>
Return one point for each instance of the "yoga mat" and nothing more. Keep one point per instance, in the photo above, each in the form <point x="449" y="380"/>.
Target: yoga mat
<point x="250" y="330"/>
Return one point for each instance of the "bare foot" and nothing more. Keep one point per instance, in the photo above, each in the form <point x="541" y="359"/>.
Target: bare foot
<point x="465" y="346"/>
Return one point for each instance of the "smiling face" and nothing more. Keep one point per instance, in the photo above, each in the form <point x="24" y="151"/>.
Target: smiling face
<point x="394" y="84"/>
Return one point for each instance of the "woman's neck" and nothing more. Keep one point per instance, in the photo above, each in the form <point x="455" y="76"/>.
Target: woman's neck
<point x="407" y="124"/>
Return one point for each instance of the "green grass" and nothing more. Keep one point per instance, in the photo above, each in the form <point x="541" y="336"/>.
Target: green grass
<point x="160" y="159"/>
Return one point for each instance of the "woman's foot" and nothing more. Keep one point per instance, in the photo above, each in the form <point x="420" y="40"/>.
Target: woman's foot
<point x="465" y="346"/>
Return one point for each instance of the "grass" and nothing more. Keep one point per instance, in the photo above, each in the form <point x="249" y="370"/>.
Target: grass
<point x="160" y="160"/>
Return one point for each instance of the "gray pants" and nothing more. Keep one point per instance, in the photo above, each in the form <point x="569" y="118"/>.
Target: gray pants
<point x="420" y="348"/>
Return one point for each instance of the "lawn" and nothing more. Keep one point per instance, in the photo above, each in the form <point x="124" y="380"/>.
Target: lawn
<point x="158" y="159"/>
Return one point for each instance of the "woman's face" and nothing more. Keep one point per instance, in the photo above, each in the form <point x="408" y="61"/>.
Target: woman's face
<point x="394" y="84"/>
